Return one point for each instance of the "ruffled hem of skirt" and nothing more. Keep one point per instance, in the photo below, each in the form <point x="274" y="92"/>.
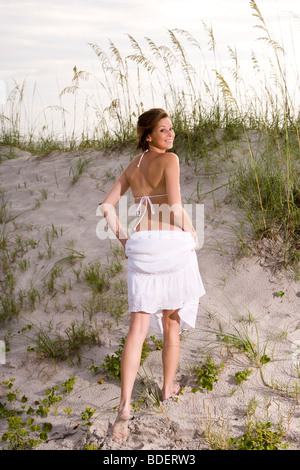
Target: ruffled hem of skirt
<point x="177" y="290"/>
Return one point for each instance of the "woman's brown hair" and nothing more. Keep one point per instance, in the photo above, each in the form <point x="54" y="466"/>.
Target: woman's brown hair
<point x="146" y="123"/>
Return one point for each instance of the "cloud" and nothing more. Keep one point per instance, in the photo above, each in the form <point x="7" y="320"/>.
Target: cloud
<point x="45" y="39"/>
<point x="34" y="30"/>
<point x="50" y="30"/>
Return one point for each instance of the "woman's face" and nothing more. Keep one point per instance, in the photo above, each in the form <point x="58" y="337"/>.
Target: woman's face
<point x="162" y="136"/>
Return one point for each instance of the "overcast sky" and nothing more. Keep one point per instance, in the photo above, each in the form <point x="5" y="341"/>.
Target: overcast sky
<point x="43" y="40"/>
<point x="38" y="36"/>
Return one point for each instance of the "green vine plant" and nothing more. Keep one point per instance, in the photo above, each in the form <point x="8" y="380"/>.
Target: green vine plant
<point x="260" y="436"/>
<point x="25" y="433"/>
<point x="207" y="375"/>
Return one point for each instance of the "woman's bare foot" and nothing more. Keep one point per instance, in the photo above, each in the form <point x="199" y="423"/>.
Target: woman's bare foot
<point x="120" y="427"/>
<point x="170" y="393"/>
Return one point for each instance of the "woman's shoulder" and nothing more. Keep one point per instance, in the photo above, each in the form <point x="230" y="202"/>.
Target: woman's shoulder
<point x="172" y="155"/>
<point x="133" y="161"/>
<point x="131" y="167"/>
<point x="171" y="158"/>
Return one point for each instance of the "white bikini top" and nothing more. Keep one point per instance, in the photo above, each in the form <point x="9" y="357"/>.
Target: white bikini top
<point x="145" y="198"/>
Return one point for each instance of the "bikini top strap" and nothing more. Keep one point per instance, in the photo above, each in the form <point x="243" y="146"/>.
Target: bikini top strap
<point x="142" y="157"/>
<point x="154" y="195"/>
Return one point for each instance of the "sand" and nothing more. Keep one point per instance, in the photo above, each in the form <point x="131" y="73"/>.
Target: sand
<point x="241" y="296"/>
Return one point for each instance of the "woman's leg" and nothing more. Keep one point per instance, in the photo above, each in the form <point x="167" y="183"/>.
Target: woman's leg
<point x="130" y="363"/>
<point x="170" y="351"/>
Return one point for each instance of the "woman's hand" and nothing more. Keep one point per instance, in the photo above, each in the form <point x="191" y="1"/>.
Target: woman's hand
<point x="123" y="242"/>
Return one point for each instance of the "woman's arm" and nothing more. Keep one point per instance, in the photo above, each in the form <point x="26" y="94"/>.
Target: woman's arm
<point x="172" y="177"/>
<point x="107" y="207"/>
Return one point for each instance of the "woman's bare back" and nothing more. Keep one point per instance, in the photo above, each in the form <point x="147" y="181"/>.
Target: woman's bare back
<point x="148" y="180"/>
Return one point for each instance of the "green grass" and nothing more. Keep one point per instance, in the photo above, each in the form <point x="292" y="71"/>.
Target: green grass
<point x="52" y="343"/>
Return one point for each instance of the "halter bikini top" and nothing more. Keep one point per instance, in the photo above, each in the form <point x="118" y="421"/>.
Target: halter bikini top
<point x="145" y="198"/>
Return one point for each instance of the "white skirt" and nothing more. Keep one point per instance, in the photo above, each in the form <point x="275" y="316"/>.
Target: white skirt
<point x="163" y="274"/>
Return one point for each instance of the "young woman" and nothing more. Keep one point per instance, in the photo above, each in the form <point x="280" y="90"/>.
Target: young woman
<point x="164" y="283"/>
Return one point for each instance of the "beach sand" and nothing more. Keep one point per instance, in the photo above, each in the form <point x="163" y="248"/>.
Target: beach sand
<point x="47" y="218"/>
